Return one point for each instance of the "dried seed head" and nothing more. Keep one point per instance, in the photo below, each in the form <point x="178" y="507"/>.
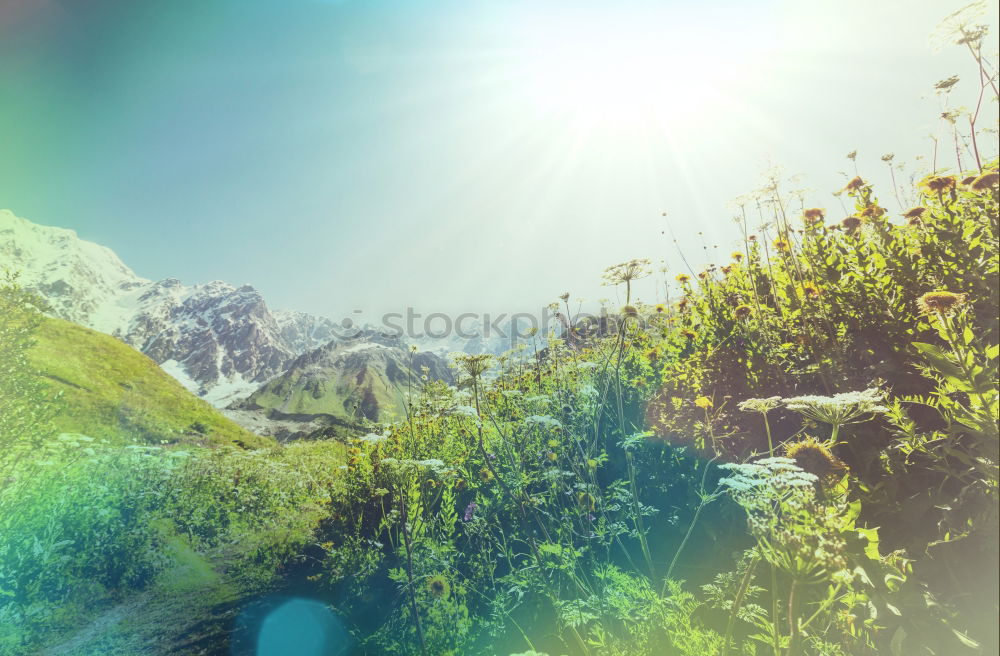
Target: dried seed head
<point x="986" y="181"/>
<point x="942" y="302"/>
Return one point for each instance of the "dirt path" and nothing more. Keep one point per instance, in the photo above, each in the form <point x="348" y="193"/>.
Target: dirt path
<point x="156" y="622"/>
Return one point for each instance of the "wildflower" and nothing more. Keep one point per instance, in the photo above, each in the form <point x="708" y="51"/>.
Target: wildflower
<point x="914" y="213"/>
<point x="431" y="463"/>
<point x="985" y="181"/>
<point x="873" y="211"/>
<point x="630" y="311"/>
<point x="940" y="184"/>
<point x="855" y="184"/>
<point x="586" y="501"/>
<point x="814" y="457"/>
<point x="760" y="405"/>
<point x="688" y="334"/>
<point x="543" y="421"/>
<point x="942" y="303"/>
<point x="460" y="484"/>
<point x="682" y="304"/>
<point x="438" y="586"/>
<point x="465" y="411"/>
<point x="470" y="511"/>
<point x="703" y="402"/>
<point x="373" y="438"/>
<point x="626" y="272"/>
<point x="782" y="245"/>
<point x="485" y="475"/>
<point x="838" y="409"/>
<point x="851" y="223"/>
<point x="752" y="238"/>
<point x="474" y="364"/>
<point x="683" y="278"/>
<point x="552" y="456"/>
<point x="968" y="180"/>
<point x="810" y="289"/>
<point x="703" y="274"/>
<point x="564" y="297"/>
<point x="812" y="216"/>
<point x="742" y="312"/>
<point x="736" y="255"/>
<point x="747" y="481"/>
<point x="660" y="308"/>
<point x="727" y="270"/>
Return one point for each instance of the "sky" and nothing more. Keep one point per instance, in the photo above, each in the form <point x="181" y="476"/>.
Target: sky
<point x="451" y="156"/>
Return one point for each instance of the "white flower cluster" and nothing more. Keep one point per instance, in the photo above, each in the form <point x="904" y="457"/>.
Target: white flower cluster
<point x="465" y="411"/>
<point x="433" y="464"/>
<point x="838" y="409"/>
<point x="373" y="438"/>
<point x="777" y="473"/>
<point x="543" y="421"/>
<point x="760" y="405"/>
<point x="835" y="410"/>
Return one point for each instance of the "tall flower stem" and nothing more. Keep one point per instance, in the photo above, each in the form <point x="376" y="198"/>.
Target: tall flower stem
<point x="770" y="441"/>
<point x="793" y="621"/>
<point x="738" y="602"/>
<point x="775" y="636"/>
<point x="409" y="575"/>
<point x="705" y="499"/>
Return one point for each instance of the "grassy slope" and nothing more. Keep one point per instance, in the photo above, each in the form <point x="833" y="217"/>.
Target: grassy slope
<point x="334" y="396"/>
<point x="111" y="391"/>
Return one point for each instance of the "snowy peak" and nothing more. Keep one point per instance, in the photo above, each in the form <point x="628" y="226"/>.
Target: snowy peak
<point x="220" y="341"/>
<point x="212" y="335"/>
<point x="81" y="280"/>
<point x="303" y="332"/>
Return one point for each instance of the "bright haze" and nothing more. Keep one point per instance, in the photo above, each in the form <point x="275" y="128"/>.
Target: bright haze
<point x="451" y="156"/>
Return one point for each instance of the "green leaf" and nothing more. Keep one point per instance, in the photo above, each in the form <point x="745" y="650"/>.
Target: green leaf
<point x="966" y="640"/>
<point x="871" y="535"/>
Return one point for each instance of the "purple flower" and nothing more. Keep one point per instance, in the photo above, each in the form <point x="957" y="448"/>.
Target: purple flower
<point x="470" y="511"/>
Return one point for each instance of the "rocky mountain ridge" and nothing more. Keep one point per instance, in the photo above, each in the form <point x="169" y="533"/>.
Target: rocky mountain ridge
<point x="220" y="341"/>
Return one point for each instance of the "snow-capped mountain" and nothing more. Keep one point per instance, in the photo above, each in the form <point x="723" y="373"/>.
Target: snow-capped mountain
<point x="220" y="341"/>
<point x="303" y="332"/>
<point x="81" y="280"/>
<point x="495" y="340"/>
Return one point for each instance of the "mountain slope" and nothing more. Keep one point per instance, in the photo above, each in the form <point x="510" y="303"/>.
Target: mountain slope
<point x="220" y="341"/>
<point x="362" y="377"/>
<point x="81" y="280"/>
<point x="111" y="391"/>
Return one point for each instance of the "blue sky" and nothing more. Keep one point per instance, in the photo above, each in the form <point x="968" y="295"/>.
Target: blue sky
<point x="452" y="156"/>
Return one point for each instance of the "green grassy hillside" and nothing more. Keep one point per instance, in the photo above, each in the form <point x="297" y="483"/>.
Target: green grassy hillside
<point x="111" y="391"/>
<point x="350" y="381"/>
